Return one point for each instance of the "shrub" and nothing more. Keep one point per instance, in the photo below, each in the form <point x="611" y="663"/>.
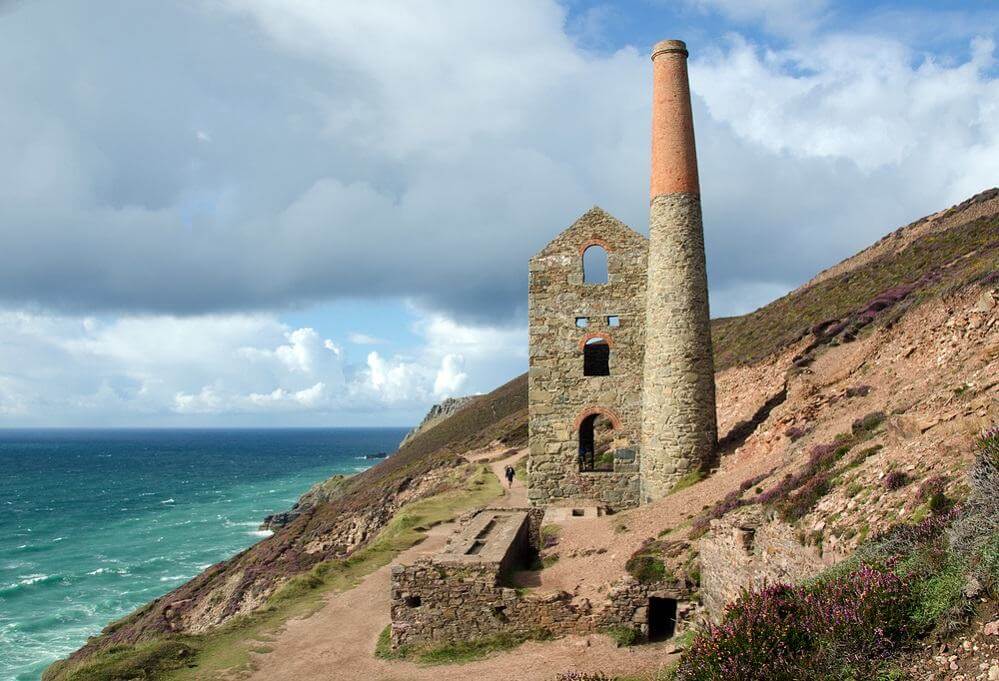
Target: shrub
<point x="549" y="535"/>
<point x="799" y="504"/>
<point x="582" y="676"/>
<point x="782" y="632"/>
<point x="866" y="425"/>
<point x="702" y="522"/>
<point x="858" y="391"/>
<point x="646" y="564"/>
<point x="895" y="480"/>
<point x="821" y="459"/>
<point x="975" y="536"/>
<point x="938" y="580"/>
<point x="932" y="493"/>
<point x="862" y="456"/>
<point x="623" y="636"/>
<point x="795" y="433"/>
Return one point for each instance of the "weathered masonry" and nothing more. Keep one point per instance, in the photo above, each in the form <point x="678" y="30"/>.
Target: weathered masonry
<point x="621" y="383"/>
<point x="466" y="591"/>
<point x="679" y="430"/>
<point x="587" y="336"/>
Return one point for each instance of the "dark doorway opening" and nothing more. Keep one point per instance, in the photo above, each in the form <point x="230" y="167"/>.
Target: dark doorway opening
<point x="596" y="357"/>
<point x="662" y="618"/>
<point x="596" y="438"/>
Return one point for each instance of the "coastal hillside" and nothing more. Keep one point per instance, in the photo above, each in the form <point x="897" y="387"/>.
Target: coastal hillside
<point x="892" y="354"/>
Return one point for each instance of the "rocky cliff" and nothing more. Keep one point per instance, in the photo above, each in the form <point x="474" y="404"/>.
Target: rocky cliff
<point x="438" y="413"/>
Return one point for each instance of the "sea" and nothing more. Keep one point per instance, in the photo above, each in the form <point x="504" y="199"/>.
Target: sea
<point x="94" y="523"/>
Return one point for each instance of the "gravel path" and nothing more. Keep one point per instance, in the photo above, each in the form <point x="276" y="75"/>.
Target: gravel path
<point x="338" y="641"/>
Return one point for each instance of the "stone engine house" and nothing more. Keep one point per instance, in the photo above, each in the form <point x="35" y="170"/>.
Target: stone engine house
<point x="621" y="406"/>
<point x="587" y="350"/>
<point x="621" y="383"/>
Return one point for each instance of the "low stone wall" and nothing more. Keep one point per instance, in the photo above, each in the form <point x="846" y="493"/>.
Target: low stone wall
<point x="747" y="550"/>
<point x="462" y="592"/>
<point x="433" y="603"/>
<point x="437" y="603"/>
<point x="629" y="606"/>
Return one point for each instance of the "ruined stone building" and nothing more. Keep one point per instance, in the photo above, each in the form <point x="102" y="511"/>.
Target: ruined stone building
<point x="621" y="382"/>
<point x="621" y="402"/>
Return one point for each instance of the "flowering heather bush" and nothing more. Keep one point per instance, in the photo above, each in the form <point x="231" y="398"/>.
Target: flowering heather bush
<point x="895" y="480"/>
<point x="795" y="433"/>
<point x="990" y="279"/>
<point x="801" y="502"/>
<point x="821" y="458"/>
<point x="858" y="391"/>
<point x="976" y="534"/>
<point x="702" y="522"/>
<point x="785" y="633"/>
<point x="753" y="482"/>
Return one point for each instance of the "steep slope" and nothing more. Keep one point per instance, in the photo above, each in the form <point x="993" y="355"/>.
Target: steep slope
<point x="899" y="318"/>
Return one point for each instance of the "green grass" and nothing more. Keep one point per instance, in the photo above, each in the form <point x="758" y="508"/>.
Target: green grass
<point x="689" y="480"/>
<point x="520" y="470"/>
<point x="623" y="636"/>
<point x="459" y="652"/>
<point x="550" y="534"/>
<point x="228" y="647"/>
<point x="646" y="564"/>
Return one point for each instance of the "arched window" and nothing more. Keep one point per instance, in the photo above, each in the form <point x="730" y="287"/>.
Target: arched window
<point x="596" y="443"/>
<point x="596" y="357"/>
<point x="595" y="265"/>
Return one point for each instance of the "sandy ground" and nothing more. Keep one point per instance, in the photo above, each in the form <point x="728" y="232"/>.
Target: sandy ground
<point x="338" y="641"/>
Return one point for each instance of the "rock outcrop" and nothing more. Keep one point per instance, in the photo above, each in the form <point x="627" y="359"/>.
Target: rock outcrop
<point x="438" y="413"/>
<point x="321" y="493"/>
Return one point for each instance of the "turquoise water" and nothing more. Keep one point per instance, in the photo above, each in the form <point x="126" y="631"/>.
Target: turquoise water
<point x="94" y="523"/>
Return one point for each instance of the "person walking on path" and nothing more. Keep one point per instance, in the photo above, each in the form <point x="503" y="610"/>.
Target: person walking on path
<point x="509" y="475"/>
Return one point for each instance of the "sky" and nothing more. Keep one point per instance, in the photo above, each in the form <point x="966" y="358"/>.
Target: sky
<point x="222" y="213"/>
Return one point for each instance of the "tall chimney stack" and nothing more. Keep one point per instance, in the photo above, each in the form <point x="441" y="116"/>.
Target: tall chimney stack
<point x="679" y="429"/>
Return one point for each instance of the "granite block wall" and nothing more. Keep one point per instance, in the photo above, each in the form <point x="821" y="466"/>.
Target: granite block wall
<point x="560" y="396"/>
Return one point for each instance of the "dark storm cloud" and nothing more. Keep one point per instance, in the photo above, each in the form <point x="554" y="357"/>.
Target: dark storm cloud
<point x="208" y="156"/>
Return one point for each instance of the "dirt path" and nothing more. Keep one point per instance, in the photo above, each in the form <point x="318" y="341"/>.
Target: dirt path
<point x="515" y="495"/>
<point x="338" y="642"/>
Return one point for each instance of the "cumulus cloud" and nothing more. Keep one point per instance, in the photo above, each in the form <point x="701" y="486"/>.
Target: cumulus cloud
<point x="231" y="369"/>
<point x="364" y="339"/>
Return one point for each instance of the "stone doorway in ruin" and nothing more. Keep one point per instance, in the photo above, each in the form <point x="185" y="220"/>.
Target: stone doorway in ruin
<point x="596" y="443"/>
<point x="662" y="618"/>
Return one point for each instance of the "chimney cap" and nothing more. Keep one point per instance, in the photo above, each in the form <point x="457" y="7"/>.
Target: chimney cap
<point x="669" y="46"/>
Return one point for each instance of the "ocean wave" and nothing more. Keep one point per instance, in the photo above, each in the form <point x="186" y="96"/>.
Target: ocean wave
<point x="168" y="501"/>
<point x="172" y="578"/>
<point x="26" y="581"/>
<point x="108" y="571"/>
<point x="260" y="533"/>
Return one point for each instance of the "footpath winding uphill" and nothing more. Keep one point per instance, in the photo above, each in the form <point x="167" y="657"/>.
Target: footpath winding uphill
<point x="338" y="641"/>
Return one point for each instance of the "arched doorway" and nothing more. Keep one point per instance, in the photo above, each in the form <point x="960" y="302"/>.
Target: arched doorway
<point x="596" y="443"/>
